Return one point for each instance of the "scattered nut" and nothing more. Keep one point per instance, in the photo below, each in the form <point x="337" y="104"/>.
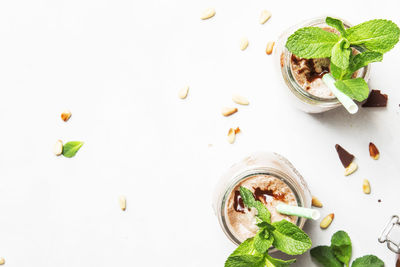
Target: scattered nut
<point x="231" y="136"/>
<point x="122" y="203"/>
<point x="264" y="17"/>
<point x="183" y="92"/>
<point x="270" y="47"/>
<point x="58" y="148"/>
<point x="226" y="111"/>
<point x="244" y="43"/>
<point x="237" y="130"/>
<point x="315" y="202"/>
<point x="2" y="261"/>
<point x="66" y="115"/>
<point x="208" y="13"/>
<point x="366" y="187"/>
<point x="241" y="100"/>
<point x="351" y="168"/>
<point x="327" y="221"/>
<point x="373" y="151"/>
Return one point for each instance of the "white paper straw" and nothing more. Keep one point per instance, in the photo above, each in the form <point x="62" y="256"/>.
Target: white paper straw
<point x="346" y="101"/>
<point x="298" y="211"/>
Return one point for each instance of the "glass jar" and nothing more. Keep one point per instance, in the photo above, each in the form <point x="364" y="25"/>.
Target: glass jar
<point x="264" y="163"/>
<point x="300" y="97"/>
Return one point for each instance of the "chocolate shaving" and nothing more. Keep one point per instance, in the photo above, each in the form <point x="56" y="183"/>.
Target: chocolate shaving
<point x="345" y="157"/>
<point x="375" y="99"/>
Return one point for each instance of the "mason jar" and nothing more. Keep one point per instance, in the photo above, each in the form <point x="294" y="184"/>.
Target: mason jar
<point x="261" y="163"/>
<point x="302" y="99"/>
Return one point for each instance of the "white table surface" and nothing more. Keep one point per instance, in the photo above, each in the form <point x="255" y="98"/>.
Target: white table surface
<point x="118" y="65"/>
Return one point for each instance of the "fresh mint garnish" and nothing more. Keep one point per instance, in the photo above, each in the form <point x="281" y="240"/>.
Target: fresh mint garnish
<point x="283" y="235"/>
<point x="377" y="35"/>
<point x="324" y="255"/>
<point x="71" y="148"/>
<point x="370" y="39"/>
<point x="341" y="247"/>
<point x="290" y="239"/>
<point x="339" y="253"/>
<point x="368" y="260"/>
<point x="312" y="42"/>
<point x="355" y="88"/>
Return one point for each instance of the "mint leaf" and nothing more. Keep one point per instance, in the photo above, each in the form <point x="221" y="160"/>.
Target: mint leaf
<point x="246" y="247"/>
<point x="377" y="35"/>
<point x="341" y="247"/>
<point x="338" y="73"/>
<point x="272" y="262"/>
<point x="368" y="261"/>
<point x="261" y="242"/>
<point x="70" y="148"/>
<point x="363" y="59"/>
<point x="290" y="239"/>
<point x="337" y="24"/>
<point x="251" y="202"/>
<point x="355" y="88"/>
<point x="341" y="54"/>
<point x="269" y="227"/>
<point x="245" y="261"/>
<point x="311" y="42"/>
<point x="325" y="256"/>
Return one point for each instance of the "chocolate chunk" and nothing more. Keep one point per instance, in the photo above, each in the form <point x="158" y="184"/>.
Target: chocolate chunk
<point x="375" y="99"/>
<point x="345" y="157"/>
<point x="238" y="203"/>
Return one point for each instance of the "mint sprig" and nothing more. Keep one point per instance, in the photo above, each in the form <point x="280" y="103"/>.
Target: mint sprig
<point x="371" y="39"/>
<point x="283" y="235"/>
<point x="339" y="253"/>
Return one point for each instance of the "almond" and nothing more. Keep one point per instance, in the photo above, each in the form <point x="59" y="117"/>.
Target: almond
<point x="66" y="115"/>
<point x="265" y="16"/>
<point x="2" y="261"/>
<point x="270" y="47"/>
<point x="351" y="168"/>
<point x="58" y="148"/>
<point x="208" y="13"/>
<point x="327" y="221"/>
<point x="227" y="111"/>
<point x="241" y="100"/>
<point x="373" y="151"/>
<point x="315" y="202"/>
<point x="183" y="92"/>
<point x="231" y="136"/>
<point x="366" y="187"/>
<point x="122" y="203"/>
<point x="244" y="43"/>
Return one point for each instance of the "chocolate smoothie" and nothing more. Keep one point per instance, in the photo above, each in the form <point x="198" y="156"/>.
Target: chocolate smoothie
<point x="266" y="188"/>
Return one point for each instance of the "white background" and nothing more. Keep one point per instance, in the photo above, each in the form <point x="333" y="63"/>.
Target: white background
<point x="118" y="65"/>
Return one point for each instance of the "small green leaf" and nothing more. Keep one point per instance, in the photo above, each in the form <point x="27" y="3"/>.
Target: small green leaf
<point x="245" y="261"/>
<point x="377" y="35"/>
<point x="340" y="54"/>
<point x="337" y="24"/>
<point x="368" y="261"/>
<point x="363" y="59"/>
<point x="341" y="247"/>
<point x="312" y="42"/>
<point x="70" y="148"/>
<point x="250" y="202"/>
<point x="290" y="239"/>
<point x="272" y="262"/>
<point x="246" y="247"/>
<point x="337" y="73"/>
<point x="261" y="243"/>
<point x="325" y="256"/>
<point x="355" y="88"/>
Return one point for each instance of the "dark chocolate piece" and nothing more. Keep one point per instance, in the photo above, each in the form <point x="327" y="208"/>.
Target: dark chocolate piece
<point x="262" y="195"/>
<point x="345" y="157"/>
<point x="375" y="99"/>
<point x="238" y="203"/>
